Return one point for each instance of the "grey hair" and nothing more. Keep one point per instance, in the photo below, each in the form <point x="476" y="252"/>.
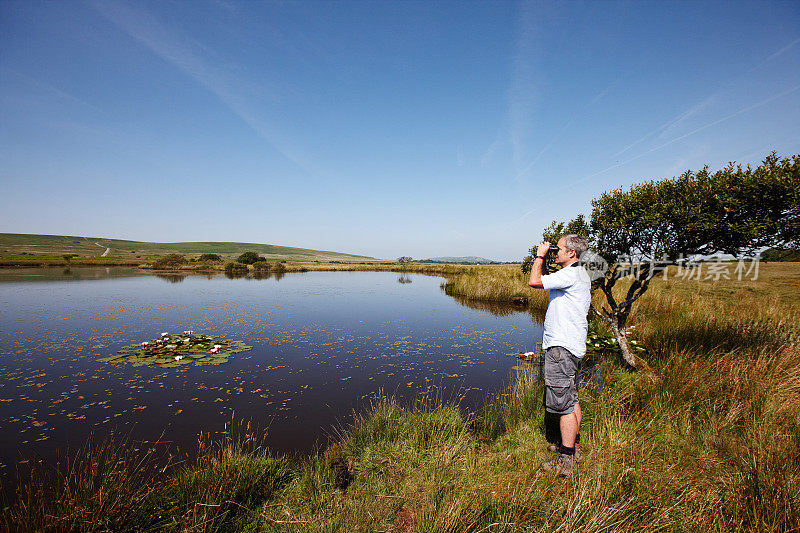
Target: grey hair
<point x="573" y="241"/>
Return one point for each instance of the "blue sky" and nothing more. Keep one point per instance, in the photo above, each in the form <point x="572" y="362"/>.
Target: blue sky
<point x="377" y="128"/>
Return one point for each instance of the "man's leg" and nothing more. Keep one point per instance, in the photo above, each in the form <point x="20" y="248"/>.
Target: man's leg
<point x="570" y="423"/>
<point x="569" y="429"/>
<point x="561" y="397"/>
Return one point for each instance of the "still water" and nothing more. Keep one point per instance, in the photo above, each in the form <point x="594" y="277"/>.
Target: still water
<point x="323" y="344"/>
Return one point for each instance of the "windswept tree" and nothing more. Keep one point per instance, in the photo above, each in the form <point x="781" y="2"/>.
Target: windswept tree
<point x="642" y="230"/>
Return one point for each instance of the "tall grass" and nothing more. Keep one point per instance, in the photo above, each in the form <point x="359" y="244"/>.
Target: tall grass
<point x="96" y="488"/>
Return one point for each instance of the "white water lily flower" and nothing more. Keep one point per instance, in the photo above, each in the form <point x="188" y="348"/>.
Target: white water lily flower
<point x="178" y="357"/>
<point x="597" y="345"/>
<point x="217" y="346"/>
<point x="145" y="343"/>
<point x="164" y="334"/>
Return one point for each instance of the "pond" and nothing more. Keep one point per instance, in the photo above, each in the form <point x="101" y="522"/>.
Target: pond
<point x="321" y="344"/>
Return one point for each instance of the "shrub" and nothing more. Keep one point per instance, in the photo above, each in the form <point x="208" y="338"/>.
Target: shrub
<point x="248" y="258"/>
<point x="235" y="267"/>
<point x="210" y="257"/>
<point x="262" y="265"/>
<point x="169" y="261"/>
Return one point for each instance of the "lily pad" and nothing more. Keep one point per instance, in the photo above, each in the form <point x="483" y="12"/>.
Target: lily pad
<point x="173" y="350"/>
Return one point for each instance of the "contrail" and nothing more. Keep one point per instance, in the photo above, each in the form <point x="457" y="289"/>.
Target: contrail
<point x="685" y="135"/>
<point x="599" y="96"/>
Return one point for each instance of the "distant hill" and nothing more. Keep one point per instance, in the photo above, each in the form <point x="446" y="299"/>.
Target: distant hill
<point x="771" y="254"/>
<point x="471" y="259"/>
<point x="21" y="243"/>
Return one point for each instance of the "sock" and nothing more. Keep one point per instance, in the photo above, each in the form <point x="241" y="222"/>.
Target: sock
<point x="566" y="451"/>
<point x="578" y="438"/>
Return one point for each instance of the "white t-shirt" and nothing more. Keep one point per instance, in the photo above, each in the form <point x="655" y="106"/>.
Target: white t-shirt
<point x="565" y="323"/>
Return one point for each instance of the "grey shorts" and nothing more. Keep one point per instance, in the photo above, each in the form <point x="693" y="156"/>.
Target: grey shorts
<point x="561" y="376"/>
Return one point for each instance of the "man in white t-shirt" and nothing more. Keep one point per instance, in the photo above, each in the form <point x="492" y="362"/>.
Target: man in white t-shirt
<point x="564" y="342"/>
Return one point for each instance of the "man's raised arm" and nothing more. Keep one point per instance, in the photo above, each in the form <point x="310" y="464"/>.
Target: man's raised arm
<point x="535" y="280"/>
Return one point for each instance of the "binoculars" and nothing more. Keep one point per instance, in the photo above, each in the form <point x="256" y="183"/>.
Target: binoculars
<point x="553" y="251"/>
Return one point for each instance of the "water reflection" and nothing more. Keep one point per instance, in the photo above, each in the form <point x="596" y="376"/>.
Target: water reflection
<point x="404" y="278"/>
<point x="500" y="308"/>
<point x="266" y="274"/>
<point x="72" y="273"/>
<point x="172" y="278"/>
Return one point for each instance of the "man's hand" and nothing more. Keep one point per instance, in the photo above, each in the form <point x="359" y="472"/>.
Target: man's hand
<point x="543" y="248"/>
<point x="535" y="280"/>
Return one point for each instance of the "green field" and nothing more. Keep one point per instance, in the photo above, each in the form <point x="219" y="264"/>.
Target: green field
<point x="18" y="245"/>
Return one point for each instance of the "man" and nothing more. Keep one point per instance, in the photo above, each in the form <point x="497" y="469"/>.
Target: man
<point x="564" y="342"/>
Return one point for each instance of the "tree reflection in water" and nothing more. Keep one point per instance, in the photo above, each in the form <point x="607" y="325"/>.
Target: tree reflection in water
<point x="172" y="278"/>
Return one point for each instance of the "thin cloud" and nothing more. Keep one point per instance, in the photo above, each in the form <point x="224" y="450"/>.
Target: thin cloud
<point x="671" y="124"/>
<point x="602" y="94"/>
<point x="685" y="135"/>
<point x="599" y="96"/>
<point x="181" y="53"/>
<point x="526" y="79"/>
<point x="544" y="149"/>
<point x="776" y="54"/>
<point x="49" y="89"/>
<point x="524" y="216"/>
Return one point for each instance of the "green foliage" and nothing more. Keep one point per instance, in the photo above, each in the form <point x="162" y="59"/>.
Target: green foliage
<point x="235" y="268"/>
<point x="67" y="257"/>
<point x="169" y="261"/>
<point x="211" y="258"/>
<point x="248" y="258"/>
<point x="553" y="233"/>
<point x="733" y="210"/>
<point x="404" y="259"/>
<point x="773" y="254"/>
<point x="262" y="265"/>
<point x="556" y="230"/>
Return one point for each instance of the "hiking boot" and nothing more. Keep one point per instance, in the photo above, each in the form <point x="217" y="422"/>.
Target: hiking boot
<point x="553" y="448"/>
<point x="566" y="465"/>
<point x="551" y="464"/>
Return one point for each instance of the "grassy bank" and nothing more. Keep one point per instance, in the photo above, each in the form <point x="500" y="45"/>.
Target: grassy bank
<point x="56" y="245"/>
<point x="708" y="443"/>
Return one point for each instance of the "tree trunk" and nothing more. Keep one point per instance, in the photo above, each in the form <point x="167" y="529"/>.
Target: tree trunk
<point x="618" y="327"/>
